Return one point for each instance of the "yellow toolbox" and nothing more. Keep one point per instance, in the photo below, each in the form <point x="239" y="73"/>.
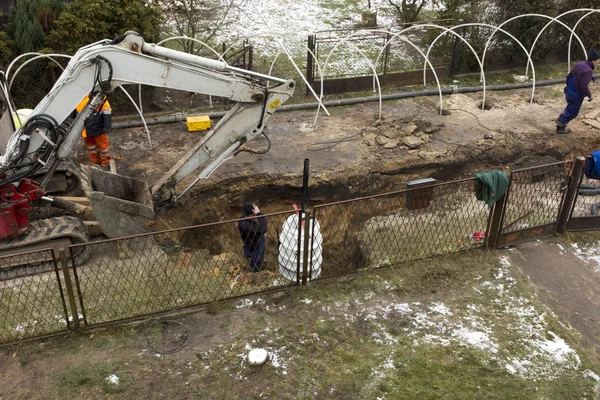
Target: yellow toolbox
<point x="198" y="123"/>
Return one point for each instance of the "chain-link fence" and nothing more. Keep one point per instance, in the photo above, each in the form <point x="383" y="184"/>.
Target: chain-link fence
<point x="149" y="274"/>
<point x="355" y="54"/>
<point x="588" y="198"/>
<point x="535" y="197"/>
<point x="32" y="306"/>
<point x="402" y="226"/>
<point x="165" y="271"/>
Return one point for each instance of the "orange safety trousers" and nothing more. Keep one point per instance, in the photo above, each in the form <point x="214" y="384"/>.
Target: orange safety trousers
<point x="97" y="148"/>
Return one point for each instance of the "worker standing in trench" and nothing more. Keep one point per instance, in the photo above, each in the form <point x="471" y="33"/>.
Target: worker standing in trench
<point x="253" y="234"/>
<point x="577" y="89"/>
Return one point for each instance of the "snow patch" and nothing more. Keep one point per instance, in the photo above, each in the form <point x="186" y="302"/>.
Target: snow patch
<point x="244" y="303"/>
<point x="589" y="255"/>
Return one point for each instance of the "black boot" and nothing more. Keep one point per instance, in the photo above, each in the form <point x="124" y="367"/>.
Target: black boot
<point x="562" y="128"/>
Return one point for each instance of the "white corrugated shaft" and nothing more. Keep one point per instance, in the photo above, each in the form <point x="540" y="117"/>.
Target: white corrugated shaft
<point x="288" y="248"/>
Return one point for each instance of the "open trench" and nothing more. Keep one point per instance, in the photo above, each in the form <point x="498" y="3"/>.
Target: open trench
<point x="221" y="199"/>
<point x="356" y="234"/>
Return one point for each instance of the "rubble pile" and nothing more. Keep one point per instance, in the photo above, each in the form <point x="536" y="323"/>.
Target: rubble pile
<point x="402" y="134"/>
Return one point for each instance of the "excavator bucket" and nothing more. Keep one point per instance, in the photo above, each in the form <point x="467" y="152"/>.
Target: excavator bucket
<point x="122" y="205"/>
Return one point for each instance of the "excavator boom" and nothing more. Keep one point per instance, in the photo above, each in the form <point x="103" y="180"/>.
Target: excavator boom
<point x="43" y="146"/>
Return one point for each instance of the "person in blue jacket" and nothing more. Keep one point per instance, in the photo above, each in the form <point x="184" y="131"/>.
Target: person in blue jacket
<point x="253" y="234"/>
<point x="577" y="89"/>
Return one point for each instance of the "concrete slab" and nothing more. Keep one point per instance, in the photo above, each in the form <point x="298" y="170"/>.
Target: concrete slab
<point x="568" y="284"/>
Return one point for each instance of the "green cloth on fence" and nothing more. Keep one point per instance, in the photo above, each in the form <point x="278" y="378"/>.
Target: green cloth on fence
<point x="490" y="186"/>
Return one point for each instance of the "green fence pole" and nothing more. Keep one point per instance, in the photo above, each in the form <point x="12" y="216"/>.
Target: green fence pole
<point x="69" y="286"/>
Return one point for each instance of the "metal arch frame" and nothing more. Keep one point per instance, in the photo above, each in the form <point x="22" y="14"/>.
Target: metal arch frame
<point x="395" y="35"/>
<point x="573" y="33"/>
<point x="317" y="97"/>
<point x="428" y="61"/>
<point x="426" y="56"/>
<point x="447" y="30"/>
<point x="37" y="56"/>
<point x="219" y="56"/>
<point x="373" y="68"/>
<point x="285" y="50"/>
<point x="320" y="96"/>
<point x="482" y="64"/>
<point x="552" y="19"/>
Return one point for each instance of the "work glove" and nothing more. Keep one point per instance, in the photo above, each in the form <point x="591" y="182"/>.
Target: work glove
<point x="107" y="130"/>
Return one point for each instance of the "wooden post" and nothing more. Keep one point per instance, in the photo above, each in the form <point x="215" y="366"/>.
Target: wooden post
<point x="496" y="225"/>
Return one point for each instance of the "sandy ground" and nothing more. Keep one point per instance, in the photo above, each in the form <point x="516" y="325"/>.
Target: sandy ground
<point x="512" y="127"/>
<point x="353" y="152"/>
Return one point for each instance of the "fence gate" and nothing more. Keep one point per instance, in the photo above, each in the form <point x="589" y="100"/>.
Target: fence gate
<point x="533" y="202"/>
<point x="584" y="214"/>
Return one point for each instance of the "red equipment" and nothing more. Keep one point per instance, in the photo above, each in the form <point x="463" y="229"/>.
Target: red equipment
<point x="15" y="204"/>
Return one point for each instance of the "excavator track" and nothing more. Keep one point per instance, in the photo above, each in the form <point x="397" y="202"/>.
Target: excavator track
<point x="54" y="233"/>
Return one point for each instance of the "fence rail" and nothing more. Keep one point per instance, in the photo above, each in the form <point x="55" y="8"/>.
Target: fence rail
<point x="154" y="273"/>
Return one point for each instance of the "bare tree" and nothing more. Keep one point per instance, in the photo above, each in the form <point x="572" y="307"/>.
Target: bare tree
<point x="198" y="19"/>
<point x="408" y="10"/>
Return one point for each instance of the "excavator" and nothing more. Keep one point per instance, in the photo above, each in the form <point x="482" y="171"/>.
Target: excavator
<point x="36" y="159"/>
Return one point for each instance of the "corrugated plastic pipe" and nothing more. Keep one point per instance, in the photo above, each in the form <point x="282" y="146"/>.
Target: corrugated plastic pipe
<point x="180" y="117"/>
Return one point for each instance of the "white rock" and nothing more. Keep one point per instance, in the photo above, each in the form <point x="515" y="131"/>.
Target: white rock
<point x="257" y="356"/>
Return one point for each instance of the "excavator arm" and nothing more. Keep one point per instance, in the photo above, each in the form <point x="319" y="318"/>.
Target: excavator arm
<point x="100" y="68"/>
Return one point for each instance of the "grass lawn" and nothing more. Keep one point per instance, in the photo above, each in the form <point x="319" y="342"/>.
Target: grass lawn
<point x="465" y="326"/>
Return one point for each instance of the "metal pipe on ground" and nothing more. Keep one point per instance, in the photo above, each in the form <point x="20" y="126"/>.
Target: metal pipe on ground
<point x="180" y="117"/>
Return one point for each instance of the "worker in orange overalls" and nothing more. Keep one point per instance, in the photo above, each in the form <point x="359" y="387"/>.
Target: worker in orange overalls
<point x="95" y="132"/>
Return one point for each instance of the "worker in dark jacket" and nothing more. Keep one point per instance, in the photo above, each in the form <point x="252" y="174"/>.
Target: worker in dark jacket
<point x="95" y="133"/>
<point x="253" y="234"/>
<point x="577" y="89"/>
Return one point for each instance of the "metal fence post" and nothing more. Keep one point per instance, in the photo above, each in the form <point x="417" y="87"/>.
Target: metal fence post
<point x="69" y="286"/>
<point x="496" y="226"/>
<point x="568" y="203"/>
<point x="310" y="73"/>
<point x="386" y="57"/>
<point x="306" y="223"/>
<point x="250" y="58"/>
<point x="305" y="175"/>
